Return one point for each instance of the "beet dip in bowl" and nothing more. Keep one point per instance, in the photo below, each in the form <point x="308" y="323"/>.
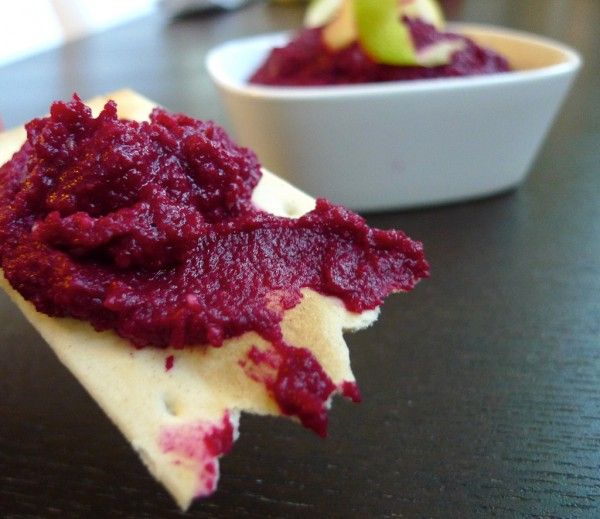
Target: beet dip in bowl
<point x="425" y="136"/>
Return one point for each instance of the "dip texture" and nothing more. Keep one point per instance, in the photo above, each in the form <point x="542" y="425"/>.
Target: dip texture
<point x="306" y="61"/>
<point x="148" y="229"/>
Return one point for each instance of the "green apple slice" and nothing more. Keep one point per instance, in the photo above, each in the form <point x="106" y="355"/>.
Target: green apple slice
<point x="321" y="12"/>
<point x="439" y="53"/>
<point x="382" y="35"/>
<point x="386" y="39"/>
<point x="378" y="26"/>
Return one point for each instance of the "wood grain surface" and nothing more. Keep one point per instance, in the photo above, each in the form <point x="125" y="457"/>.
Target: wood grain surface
<point x="481" y="388"/>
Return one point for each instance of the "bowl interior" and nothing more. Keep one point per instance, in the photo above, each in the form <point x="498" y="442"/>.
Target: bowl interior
<point x="235" y="61"/>
<point x="523" y="51"/>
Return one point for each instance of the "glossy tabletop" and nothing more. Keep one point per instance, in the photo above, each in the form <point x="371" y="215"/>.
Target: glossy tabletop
<point x="481" y="388"/>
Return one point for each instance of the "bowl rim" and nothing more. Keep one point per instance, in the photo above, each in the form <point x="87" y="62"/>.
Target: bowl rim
<point x="571" y="64"/>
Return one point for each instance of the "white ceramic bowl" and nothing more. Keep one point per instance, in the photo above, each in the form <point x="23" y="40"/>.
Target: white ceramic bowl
<point x="400" y="144"/>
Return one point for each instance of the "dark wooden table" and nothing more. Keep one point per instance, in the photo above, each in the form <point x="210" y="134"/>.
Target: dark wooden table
<point x="481" y="388"/>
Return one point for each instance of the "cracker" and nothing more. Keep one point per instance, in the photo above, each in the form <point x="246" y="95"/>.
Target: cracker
<point x="166" y="413"/>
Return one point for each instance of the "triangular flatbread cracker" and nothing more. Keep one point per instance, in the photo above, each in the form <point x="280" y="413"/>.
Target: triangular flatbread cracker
<point x="180" y="409"/>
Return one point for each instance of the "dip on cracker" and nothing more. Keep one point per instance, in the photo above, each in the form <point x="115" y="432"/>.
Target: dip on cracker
<point x="154" y="258"/>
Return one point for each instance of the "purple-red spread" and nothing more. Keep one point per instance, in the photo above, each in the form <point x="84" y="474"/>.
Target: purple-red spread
<point x="306" y="61"/>
<point x="148" y="229"/>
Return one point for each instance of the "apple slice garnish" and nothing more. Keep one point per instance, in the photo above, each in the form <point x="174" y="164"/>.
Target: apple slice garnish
<point x="321" y="12"/>
<point x="382" y="34"/>
<point x="342" y="30"/>
<point x="386" y="38"/>
<point x="379" y="27"/>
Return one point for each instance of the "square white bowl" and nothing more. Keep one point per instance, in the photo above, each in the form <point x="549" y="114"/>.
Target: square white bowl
<point x="405" y="143"/>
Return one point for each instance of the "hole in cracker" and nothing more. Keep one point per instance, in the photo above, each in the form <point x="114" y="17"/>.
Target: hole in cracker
<point x="171" y="405"/>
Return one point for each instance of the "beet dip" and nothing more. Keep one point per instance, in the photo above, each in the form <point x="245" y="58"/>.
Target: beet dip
<point x="306" y="61"/>
<point x="148" y="229"/>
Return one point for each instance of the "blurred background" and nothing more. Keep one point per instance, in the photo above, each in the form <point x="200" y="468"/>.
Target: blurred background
<point x="179" y="45"/>
<point x="30" y="26"/>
